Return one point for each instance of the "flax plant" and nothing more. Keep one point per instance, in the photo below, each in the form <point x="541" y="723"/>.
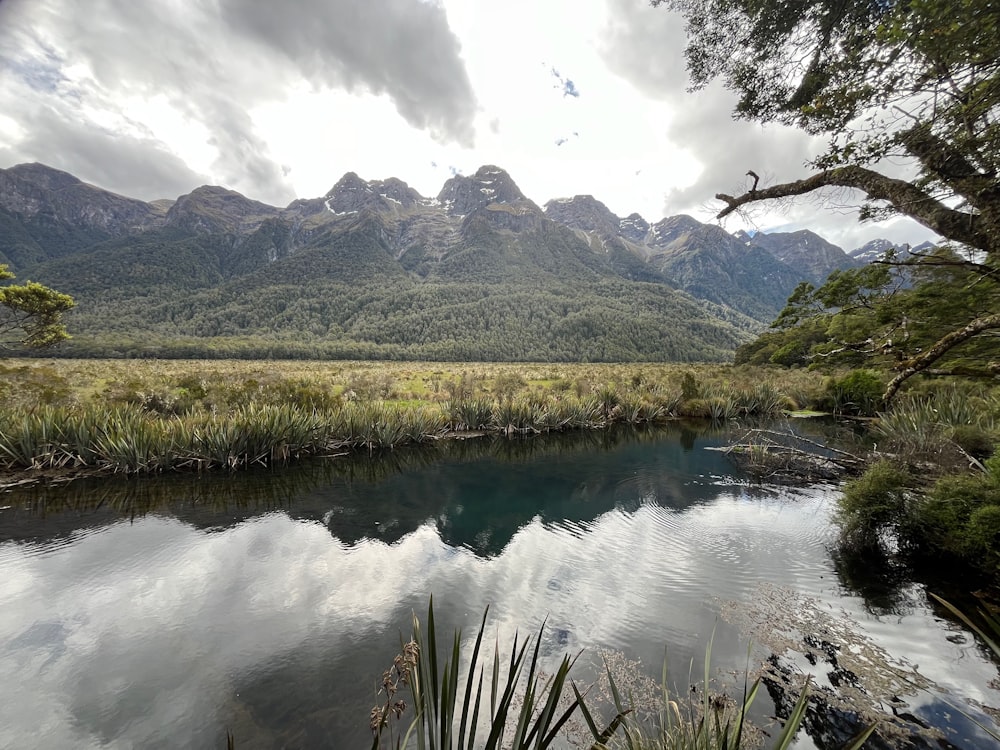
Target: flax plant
<point x="586" y="414"/>
<point x="422" y="424"/>
<point x="515" y="416"/>
<point x="132" y="442"/>
<point x="468" y="413"/>
<point x="30" y="439"/>
<point x="762" y="399"/>
<point x="721" y="409"/>
<point x="928" y="427"/>
<point x="512" y="705"/>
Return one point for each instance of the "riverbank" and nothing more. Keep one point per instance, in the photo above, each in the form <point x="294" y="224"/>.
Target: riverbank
<point x="131" y="417"/>
<point x="61" y="419"/>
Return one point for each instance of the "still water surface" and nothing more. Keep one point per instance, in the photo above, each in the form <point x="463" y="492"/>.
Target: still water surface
<point x="159" y="613"/>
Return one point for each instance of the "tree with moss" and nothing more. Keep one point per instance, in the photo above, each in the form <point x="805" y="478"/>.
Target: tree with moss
<point x="31" y="314"/>
<point x="912" y="84"/>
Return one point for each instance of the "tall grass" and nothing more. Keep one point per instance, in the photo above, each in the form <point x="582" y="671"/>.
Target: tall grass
<point x="930" y="426"/>
<point x="134" y="416"/>
<point x="128" y="439"/>
<point x="468" y="413"/>
<point x="132" y="437"/>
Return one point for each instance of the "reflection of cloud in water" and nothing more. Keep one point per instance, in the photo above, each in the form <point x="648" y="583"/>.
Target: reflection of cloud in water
<point x="146" y="644"/>
<point x="142" y="633"/>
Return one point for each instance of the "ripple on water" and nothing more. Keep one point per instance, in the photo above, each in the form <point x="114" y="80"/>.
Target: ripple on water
<point x="732" y="544"/>
<point x="278" y="619"/>
<point x="48" y="546"/>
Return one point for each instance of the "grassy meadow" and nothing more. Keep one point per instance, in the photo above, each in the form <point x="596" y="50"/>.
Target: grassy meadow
<point x="149" y="415"/>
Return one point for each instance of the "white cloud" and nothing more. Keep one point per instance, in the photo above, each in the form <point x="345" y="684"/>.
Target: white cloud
<point x="279" y="100"/>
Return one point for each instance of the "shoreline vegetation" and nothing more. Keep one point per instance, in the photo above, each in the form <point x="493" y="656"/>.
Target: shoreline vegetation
<point x="925" y="484"/>
<point x="132" y="417"/>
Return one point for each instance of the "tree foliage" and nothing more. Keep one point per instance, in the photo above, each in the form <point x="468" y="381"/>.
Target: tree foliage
<point x="932" y="313"/>
<point x="907" y="83"/>
<point x="318" y="318"/>
<point x="31" y="314"/>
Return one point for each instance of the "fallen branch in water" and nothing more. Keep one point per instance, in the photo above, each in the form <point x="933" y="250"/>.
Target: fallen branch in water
<point x="762" y="455"/>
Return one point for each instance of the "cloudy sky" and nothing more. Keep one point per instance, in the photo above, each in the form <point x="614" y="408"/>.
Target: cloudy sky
<point x="279" y="99"/>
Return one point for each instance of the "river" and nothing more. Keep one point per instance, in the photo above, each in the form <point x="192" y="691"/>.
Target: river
<point x="162" y="612"/>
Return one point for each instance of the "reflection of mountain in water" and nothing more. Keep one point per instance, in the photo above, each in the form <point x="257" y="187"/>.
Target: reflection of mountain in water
<point x="477" y="492"/>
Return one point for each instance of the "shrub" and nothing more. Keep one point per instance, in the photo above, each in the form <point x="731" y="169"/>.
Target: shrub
<point x="561" y="385"/>
<point x="507" y="384"/>
<point x="697" y="408"/>
<point x="982" y="536"/>
<point x="193" y="385"/>
<point x="961" y="516"/>
<point x="371" y="386"/>
<point x="792" y="353"/>
<point x="463" y="387"/>
<point x="872" y="504"/>
<point x="689" y="386"/>
<point x="859" y="392"/>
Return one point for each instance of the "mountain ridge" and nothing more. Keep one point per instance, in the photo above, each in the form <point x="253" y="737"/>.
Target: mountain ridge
<point x="380" y="243"/>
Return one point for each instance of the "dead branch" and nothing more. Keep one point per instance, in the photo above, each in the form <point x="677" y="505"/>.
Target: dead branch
<point x="799" y="438"/>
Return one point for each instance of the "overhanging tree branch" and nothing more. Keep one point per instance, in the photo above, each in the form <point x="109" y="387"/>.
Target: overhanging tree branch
<point x="903" y="196"/>
<point x="942" y="347"/>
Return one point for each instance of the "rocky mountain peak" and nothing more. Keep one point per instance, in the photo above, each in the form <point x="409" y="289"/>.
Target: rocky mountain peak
<point x="583" y="212"/>
<point x="633" y="228"/>
<point x="32" y="189"/>
<point x="809" y="254"/>
<point x="672" y="228"/>
<point x="872" y="250"/>
<point x="464" y="194"/>
<point x="44" y="176"/>
<point x="396" y="191"/>
<point x="211" y="209"/>
<point x="352" y="194"/>
<point x="349" y="183"/>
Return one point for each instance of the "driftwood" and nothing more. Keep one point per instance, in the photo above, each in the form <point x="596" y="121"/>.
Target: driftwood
<point x="774" y="456"/>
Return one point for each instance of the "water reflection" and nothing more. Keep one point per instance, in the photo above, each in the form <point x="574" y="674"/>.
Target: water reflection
<point x="390" y="494"/>
<point x="159" y="613"/>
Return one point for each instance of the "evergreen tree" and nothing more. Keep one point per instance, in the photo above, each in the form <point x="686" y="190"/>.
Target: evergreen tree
<point x="915" y="81"/>
<point x="31" y="314"/>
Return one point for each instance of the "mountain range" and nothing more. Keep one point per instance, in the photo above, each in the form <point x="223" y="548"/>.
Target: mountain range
<point x="373" y="269"/>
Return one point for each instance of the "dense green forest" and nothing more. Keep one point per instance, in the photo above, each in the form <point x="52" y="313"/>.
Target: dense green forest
<point x="538" y="296"/>
<point x="608" y="322"/>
